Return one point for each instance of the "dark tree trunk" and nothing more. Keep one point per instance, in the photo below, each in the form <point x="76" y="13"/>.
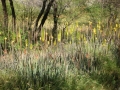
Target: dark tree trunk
<point x="37" y="20"/>
<point x="5" y="14"/>
<point x="40" y="14"/>
<point x="45" y="15"/>
<point x="13" y="14"/>
<point x="36" y="33"/>
<point x="1" y="48"/>
<point x="55" y="17"/>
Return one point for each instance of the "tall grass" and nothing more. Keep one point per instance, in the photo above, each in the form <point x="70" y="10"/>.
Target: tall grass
<point x="54" y="68"/>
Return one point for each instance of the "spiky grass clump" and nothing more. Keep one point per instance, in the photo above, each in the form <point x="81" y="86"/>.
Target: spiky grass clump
<point x="53" y="68"/>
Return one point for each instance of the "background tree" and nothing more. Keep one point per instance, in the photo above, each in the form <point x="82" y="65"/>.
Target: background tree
<point x="109" y="11"/>
<point x="6" y="20"/>
<point x="40" y="14"/>
<point x="5" y="13"/>
<point x="36" y="32"/>
<point x="13" y="14"/>
<point x="55" y="18"/>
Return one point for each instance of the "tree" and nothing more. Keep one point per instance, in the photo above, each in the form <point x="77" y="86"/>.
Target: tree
<point x="13" y="13"/>
<point x="58" y="8"/>
<point x="72" y="11"/>
<point x="40" y="14"/>
<point x="55" y="17"/>
<point x="112" y="9"/>
<point x="5" y="14"/>
<point x="46" y="12"/>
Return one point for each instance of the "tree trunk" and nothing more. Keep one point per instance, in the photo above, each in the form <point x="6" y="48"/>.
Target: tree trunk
<point x="5" y="14"/>
<point x="55" y="17"/>
<point x="40" y="14"/>
<point x="36" y="33"/>
<point x="45" y="15"/>
<point x="37" y="20"/>
<point x="13" y="14"/>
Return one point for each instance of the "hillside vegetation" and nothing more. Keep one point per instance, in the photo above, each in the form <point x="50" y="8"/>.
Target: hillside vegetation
<point x="74" y="46"/>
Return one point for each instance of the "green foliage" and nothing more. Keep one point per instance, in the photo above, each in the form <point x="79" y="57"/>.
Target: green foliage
<point x="95" y="12"/>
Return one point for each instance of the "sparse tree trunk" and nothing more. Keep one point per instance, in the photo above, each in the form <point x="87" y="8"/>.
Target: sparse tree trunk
<point x="5" y="14"/>
<point x="36" y="33"/>
<point x="40" y="14"/>
<point x="13" y="14"/>
<point x="37" y="20"/>
<point x="55" y="17"/>
<point x="45" y="15"/>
